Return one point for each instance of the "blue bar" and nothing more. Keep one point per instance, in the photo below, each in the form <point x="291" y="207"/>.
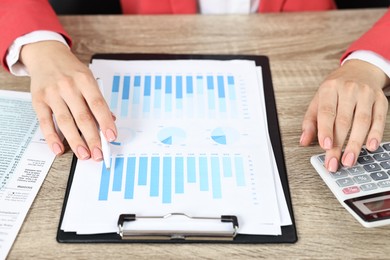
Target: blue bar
<point x="240" y="176"/>
<point x="221" y="94"/>
<point x="210" y="91"/>
<point x="130" y="175"/>
<point x="124" y="108"/>
<point x="147" y="92"/>
<point x="179" y="92"/>
<point x="167" y="180"/>
<point x="216" y="178"/>
<point x="137" y="89"/>
<point x="126" y="87"/>
<point x="191" y="170"/>
<point x="210" y="82"/>
<point x="115" y="83"/>
<point x="142" y="170"/>
<point x="168" y="85"/>
<point x="104" y="183"/>
<point x="179" y="87"/>
<point x="203" y="174"/>
<point x="125" y="96"/>
<point x="232" y="93"/>
<point x="179" y="175"/>
<point x="227" y="167"/>
<point x="157" y="83"/>
<point x="157" y="92"/>
<point x="118" y="172"/>
<point x="168" y="93"/>
<point x="189" y="85"/>
<point x="199" y="84"/>
<point x="148" y="86"/>
<point x="154" y="176"/>
<point x="115" y="92"/>
<point x="221" y="87"/>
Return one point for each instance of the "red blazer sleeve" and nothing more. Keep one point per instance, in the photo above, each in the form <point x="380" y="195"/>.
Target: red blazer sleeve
<point x="19" y="17"/>
<point x="377" y="39"/>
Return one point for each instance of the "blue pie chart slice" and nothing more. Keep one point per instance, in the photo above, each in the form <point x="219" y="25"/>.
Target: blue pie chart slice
<point x="224" y="135"/>
<point x="171" y="135"/>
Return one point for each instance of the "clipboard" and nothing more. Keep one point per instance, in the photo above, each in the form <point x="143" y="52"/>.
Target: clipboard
<point x="289" y="233"/>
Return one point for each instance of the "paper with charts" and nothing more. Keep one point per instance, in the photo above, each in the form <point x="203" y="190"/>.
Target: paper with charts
<point x="192" y="139"/>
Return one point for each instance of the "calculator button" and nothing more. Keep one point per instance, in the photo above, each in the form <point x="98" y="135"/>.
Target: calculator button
<point x="363" y="152"/>
<point x="345" y="182"/>
<point x="365" y="159"/>
<point x="386" y="146"/>
<point x="382" y="156"/>
<point x="355" y="170"/>
<point x="372" y="167"/>
<point x="351" y="190"/>
<point x="339" y="174"/>
<point x="362" y="178"/>
<point x="379" y="150"/>
<point x="368" y="186"/>
<point x="384" y="184"/>
<point x="385" y="165"/>
<point x="377" y="176"/>
<point x="321" y="158"/>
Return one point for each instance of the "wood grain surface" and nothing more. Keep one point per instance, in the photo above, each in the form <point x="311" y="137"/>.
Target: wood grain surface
<point x="303" y="48"/>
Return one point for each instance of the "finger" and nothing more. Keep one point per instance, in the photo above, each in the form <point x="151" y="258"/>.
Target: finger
<point x="98" y="106"/>
<point x="68" y="127"/>
<point x="48" y="129"/>
<point x="360" y="128"/>
<point x="309" y="124"/>
<point x="85" y="122"/>
<point x="343" y="122"/>
<point x="327" y="108"/>
<point x="379" y="113"/>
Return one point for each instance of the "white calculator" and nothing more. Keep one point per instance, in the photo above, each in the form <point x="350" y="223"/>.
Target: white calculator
<point x="364" y="189"/>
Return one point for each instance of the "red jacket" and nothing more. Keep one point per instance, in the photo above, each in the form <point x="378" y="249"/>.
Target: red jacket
<point x="18" y="17"/>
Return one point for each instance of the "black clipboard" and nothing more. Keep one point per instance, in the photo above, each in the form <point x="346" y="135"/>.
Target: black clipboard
<point x="289" y="233"/>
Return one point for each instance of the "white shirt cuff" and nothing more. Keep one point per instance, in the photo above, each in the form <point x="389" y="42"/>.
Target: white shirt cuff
<point x="371" y="57"/>
<point x="12" y="58"/>
<point x="228" y="6"/>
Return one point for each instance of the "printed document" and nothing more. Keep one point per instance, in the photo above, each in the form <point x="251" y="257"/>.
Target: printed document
<point x="25" y="160"/>
<point x="192" y="138"/>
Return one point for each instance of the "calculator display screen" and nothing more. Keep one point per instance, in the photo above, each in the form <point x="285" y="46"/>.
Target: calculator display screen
<point x="372" y="207"/>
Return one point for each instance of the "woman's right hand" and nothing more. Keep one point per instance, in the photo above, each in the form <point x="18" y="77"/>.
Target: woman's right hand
<point x="63" y="87"/>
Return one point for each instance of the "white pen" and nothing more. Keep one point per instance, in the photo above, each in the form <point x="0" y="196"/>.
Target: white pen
<point x="105" y="144"/>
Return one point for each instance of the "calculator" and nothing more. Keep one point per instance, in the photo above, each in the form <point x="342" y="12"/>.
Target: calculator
<point x="364" y="189"/>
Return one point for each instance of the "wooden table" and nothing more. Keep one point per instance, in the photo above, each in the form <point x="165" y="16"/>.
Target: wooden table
<point x="303" y="48"/>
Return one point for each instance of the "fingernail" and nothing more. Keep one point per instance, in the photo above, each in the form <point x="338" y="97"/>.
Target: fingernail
<point x="333" y="165"/>
<point x="349" y="160"/>
<point x="97" y="154"/>
<point x="327" y="143"/>
<point x="373" y="144"/>
<point x="83" y="152"/>
<point x="57" y="149"/>
<point x="110" y="135"/>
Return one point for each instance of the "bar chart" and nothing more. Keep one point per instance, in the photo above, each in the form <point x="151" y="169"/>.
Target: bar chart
<point x="167" y="176"/>
<point x="161" y="96"/>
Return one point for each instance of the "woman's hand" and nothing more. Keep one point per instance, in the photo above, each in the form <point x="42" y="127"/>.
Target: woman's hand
<point x="63" y="86"/>
<point x="350" y="101"/>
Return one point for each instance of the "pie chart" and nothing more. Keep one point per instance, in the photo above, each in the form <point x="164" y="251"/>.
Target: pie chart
<point x="224" y="135"/>
<point x="125" y="136"/>
<point x="171" y="135"/>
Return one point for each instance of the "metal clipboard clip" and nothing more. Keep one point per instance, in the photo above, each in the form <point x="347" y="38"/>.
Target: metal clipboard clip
<point x="178" y="234"/>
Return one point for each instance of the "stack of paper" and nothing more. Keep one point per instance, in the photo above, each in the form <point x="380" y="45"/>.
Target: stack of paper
<point x="193" y="139"/>
<point x="25" y="159"/>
